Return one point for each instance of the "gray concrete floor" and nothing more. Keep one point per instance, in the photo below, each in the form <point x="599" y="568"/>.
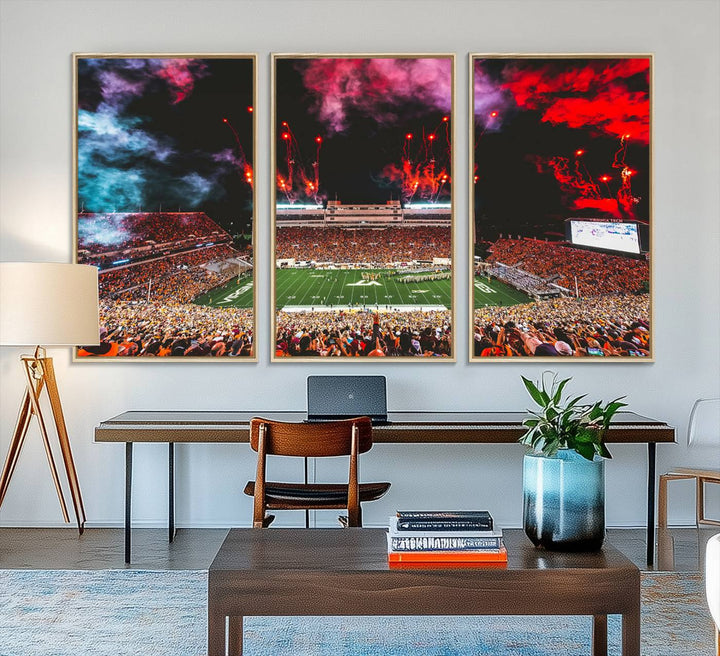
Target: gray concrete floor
<point x="679" y="549"/>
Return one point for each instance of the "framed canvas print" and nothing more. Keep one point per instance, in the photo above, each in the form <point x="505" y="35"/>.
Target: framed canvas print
<point x="362" y="207"/>
<point x="561" y="207"/>
<point x="164" y="203"/>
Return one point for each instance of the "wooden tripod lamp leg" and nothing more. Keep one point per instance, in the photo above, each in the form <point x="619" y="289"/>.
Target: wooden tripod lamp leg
<point x="64" y="440"/>
<point x="39" y="374"/>
<point x="16" y="443"/>
<point x="34" y="373"/>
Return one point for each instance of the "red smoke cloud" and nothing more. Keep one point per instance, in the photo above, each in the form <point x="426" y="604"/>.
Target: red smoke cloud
<point x="608" y="205"/>
<point x="378" y="88"/>
<point x="602" y="95"/>
<point x="180" y="75"/>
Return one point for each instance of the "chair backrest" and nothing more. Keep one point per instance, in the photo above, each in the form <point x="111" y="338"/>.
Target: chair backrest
<point x="704" y="423"/>
<point x="311" y="440"/>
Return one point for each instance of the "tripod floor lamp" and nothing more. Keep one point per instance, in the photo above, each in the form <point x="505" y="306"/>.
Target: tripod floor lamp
<point x="46" y="304"/>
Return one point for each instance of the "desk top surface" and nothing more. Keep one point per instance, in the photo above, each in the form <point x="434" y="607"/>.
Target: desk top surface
<point x="364" y="550"/>
<point x="213" y="426"/>
<point x="240" y="417"/>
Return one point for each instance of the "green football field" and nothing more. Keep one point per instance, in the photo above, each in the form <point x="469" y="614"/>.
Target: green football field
<point x="495" y="293"/>
<point x="313" y="288"/>
<point x="236" y="293"/>
<point x="322" y="289"/>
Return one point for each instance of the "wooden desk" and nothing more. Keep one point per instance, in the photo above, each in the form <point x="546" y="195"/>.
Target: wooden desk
<point x="345" y="572"/>
<point x="205" y="426"/>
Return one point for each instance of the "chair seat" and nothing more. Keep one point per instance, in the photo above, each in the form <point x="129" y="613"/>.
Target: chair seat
<point x="713" y="474"/>
<point x="298" y="495"/>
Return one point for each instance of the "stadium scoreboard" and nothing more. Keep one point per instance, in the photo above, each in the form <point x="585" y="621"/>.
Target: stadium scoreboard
<point x="605" y="235"/>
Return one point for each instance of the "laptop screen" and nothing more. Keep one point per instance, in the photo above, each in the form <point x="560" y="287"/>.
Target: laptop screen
<point x="340" y="397"/>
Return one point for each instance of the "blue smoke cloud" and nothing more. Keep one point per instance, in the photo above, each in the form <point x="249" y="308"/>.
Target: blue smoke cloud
<point x="127" y="160"/>
<point x="105" y="229"/>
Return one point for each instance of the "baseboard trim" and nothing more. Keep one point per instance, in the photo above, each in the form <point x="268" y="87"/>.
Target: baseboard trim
<point x="140" y="524"/>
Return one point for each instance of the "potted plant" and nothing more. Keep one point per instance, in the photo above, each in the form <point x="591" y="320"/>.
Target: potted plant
<point x="564" y="468"/>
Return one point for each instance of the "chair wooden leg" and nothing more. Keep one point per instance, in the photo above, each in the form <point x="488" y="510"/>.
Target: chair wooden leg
<point x="699" y="501"/>
<point x="662" y="502"/>
<point x="354" y="516"/>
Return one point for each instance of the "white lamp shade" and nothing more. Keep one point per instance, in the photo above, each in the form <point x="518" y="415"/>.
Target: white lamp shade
<point x="48" y="304"/>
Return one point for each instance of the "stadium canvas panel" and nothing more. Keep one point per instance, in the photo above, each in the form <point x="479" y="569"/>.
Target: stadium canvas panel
<point x="363" y="211"/>
<point x="561" y="207"/>
<point x="164" y="156"/>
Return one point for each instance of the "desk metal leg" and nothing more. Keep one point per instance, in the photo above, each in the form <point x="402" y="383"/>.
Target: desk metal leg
<point x="651" y="505"/>
<point x="171" y="491"/>
<point x="128" y="497"/>
<point x="307" y="512"/>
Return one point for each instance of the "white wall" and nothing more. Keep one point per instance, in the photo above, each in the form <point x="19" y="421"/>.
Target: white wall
<point x="38" y="38"/>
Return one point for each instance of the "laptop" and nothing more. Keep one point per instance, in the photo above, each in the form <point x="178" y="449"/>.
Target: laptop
<point x="330" y="398"/>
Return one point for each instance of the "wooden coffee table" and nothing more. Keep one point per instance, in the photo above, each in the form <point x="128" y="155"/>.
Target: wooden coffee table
<point x="279" y="572"/>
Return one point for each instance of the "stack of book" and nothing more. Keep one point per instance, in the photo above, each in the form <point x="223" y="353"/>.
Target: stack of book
<point x="462" y="537"/>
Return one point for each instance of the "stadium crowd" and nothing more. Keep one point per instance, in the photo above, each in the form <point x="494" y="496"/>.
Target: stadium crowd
<point x="178" y="278"/>
<point x="115" y="231"/>
<point x="377" y="246"/>
<point x="595" y="326"/>
<point x="597" y="273"/>
<point x="157" y="329"/>
<point x="520" y="279"/>
<point x="363" y="334"/>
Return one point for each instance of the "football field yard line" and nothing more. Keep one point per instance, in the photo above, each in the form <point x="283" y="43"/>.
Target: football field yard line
<point x="242" y="290"/>
<point x="494" y="293"/>
<point x="293" y="285"/>
<point x="351" y="288"/>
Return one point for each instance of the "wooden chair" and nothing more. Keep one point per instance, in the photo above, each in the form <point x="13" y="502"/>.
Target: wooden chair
<point x="707" y="434"/>
<point x="349" y="437"/>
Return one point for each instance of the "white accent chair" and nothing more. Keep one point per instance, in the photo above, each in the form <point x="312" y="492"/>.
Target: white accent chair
<point x="703" y="431"/>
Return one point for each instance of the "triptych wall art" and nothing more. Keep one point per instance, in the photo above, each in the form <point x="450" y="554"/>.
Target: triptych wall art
<point x="561" y="207"/>
<point x="363" y="211"/>
<point x="165" y="203"/>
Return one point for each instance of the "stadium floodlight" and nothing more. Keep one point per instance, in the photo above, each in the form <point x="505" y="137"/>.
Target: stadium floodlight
<point x="290" y="206"/>
<point x="48" y="304"/>
<point x="428" y="206"/>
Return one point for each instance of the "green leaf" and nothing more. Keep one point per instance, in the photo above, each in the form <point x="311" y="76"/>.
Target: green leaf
<point x="587" y="451"/>
<point x="577" y="399"/>
<point x="558" y="392"/>
<point x="573" y="424"/>
<point x="534" y="392"/>
<point x="586" y="436"/>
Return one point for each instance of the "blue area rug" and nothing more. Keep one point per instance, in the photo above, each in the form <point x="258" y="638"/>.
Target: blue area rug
<point x="130" y="612"/>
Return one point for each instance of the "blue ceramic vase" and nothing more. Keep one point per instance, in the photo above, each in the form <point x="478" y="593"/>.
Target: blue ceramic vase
<point x="564" y="501"/>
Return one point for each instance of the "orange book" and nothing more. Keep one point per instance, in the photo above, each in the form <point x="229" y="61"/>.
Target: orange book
<point x="447" y="565"/>
<point x="486" y="556"/>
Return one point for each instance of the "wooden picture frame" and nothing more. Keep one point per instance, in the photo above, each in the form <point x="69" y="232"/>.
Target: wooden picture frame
<point x="362" y="232"/>
<point x="164" y="203"/>
<point x="561" y="207"/>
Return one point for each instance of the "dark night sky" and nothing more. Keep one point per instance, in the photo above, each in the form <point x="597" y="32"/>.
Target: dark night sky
<point x="153" y="136"/>
<point x="351" y="161"/>
<point x="516" y="191"/>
